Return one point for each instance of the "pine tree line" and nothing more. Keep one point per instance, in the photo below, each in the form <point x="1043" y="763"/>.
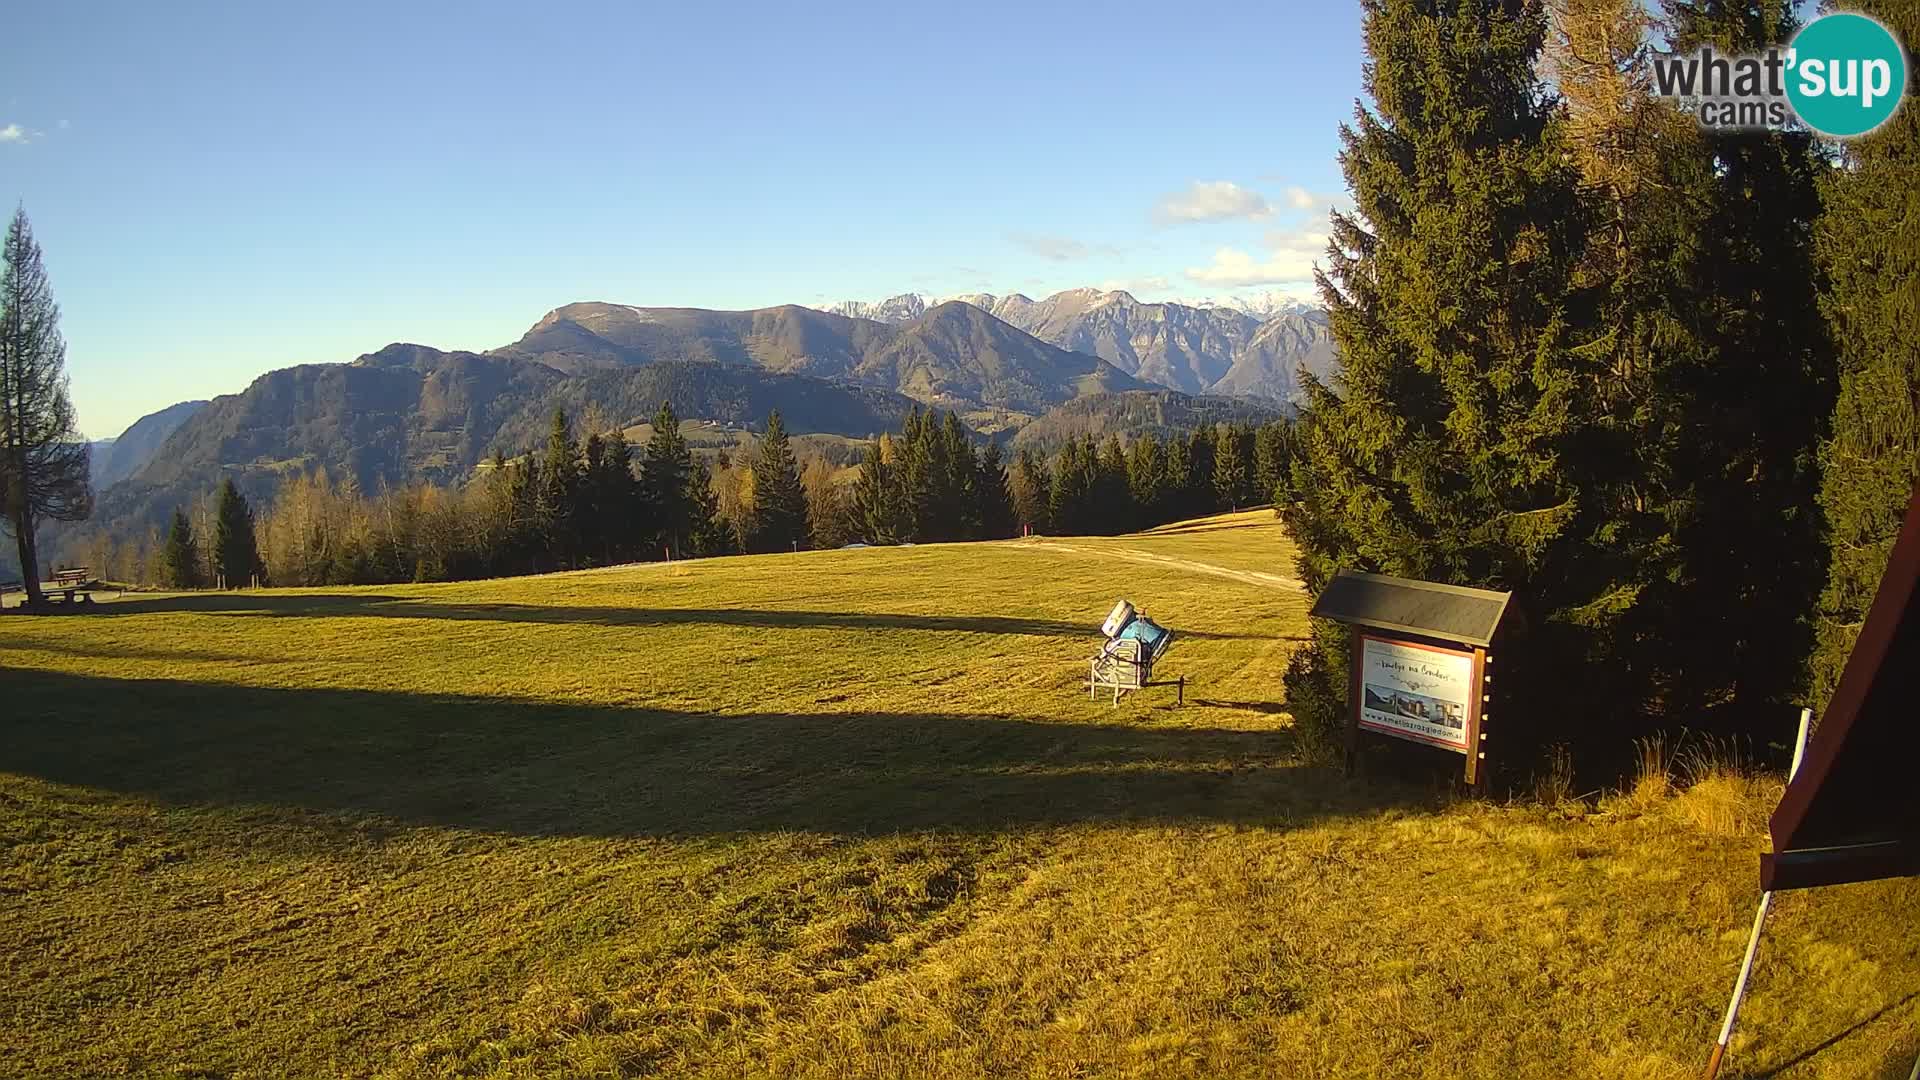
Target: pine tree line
<point x="929" y="483"/>
<point x="575" y="503"/>
<point x="592" y="502"/>
<point x="926" y="483"/>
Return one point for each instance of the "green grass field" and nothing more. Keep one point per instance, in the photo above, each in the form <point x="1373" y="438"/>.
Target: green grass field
<point x="842" y="814"/>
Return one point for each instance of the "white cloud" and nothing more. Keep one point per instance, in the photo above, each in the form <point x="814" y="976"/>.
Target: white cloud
<point x="14" y="133"/>
<point x="1300" y="198"/>
<point x="1289" y="259"/>
<point x="1215" y="200"/>
<point x="1232" y="268"/>
<point x="1059" y="248"/>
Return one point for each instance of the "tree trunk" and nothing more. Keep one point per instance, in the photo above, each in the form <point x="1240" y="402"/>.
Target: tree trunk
<point x="23" y="528"/>
<point x="29" y="555"/>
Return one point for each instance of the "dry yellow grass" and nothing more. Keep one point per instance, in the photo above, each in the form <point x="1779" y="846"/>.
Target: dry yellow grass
<point x="841" y="814"/>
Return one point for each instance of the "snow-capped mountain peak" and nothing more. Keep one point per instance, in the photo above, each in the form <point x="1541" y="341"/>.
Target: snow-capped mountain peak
<point x="1248" y="344"/>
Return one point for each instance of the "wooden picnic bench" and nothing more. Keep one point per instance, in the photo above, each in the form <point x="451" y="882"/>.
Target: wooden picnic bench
<point x="72" y="580"/>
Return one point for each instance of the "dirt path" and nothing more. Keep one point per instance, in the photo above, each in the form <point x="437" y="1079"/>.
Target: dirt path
<point x="1149" y="558"/>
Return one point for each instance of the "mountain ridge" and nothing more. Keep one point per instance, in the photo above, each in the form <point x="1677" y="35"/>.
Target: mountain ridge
<point x="1249" y="348"/>
<point x="943" y="356"/>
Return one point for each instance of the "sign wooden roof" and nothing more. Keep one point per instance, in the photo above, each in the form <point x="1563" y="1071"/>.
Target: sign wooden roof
<point x="1403" y="605"/>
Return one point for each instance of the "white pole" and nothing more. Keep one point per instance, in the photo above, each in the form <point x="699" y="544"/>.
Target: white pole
<point x="1759" y="922"/>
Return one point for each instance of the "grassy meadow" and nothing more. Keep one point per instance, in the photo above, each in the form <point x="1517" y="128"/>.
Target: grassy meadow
<point x="843" y="814"/>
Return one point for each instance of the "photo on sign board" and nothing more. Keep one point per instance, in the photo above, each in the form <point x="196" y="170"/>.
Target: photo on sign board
<point x="1415" y="692"/>
<point x="1450" y="714"/>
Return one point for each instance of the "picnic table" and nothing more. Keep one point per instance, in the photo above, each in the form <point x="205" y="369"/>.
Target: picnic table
<point x="72" y="581"/>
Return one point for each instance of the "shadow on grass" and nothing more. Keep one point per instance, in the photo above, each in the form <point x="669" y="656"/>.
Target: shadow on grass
<point x="516" y="767"/>
<point x="382" y="605"/>
<point x="1896" y="1066"/>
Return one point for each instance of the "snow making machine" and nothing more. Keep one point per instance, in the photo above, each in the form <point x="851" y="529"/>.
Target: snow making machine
<point x="1134" y="644"/>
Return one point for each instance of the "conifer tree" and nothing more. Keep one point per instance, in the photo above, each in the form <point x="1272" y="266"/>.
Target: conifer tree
<point x="182" y="560"/>
<point x="1112" y="509"/>
<point x="1178" y="482"/>
<point x="559" y="492"/>
<point x="1070" y="507"/>
<point x="593" y="503"/>
<point x="1232" y="468"/>
<point x="44" y="465"/>
<point x="670" y="488"/>
<point x="876" y="498"/>
<point x="1755" y="557"/>
<point x="1146" y="478"/>
<point x="236" y="557"/>
<point x="922" y="475"/>
<point x="625" y="502"/>
<point x="1868" y="242"/>
<point x="1270" y="459"/>
<point x="959" y="493"/>
<point x="779" y="504"/>
<point x="1435" y="453"/>
<point x="708" y="533"/>
<point x="1199" y="498"/>
<point x="1032" y="490"/>
<point x="992" y="499"/>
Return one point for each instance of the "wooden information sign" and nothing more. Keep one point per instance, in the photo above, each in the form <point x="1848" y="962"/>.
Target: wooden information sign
<point x="1419" y="660"/>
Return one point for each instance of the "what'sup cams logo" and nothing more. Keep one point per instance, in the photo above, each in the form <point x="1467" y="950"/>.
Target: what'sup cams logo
<point x="1842" y="75"/>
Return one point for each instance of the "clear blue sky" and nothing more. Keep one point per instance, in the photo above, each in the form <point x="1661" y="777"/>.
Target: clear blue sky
<point x="225" y="191"/>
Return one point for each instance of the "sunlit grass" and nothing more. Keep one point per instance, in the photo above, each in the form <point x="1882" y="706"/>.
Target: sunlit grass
<point x="840" y="814"/>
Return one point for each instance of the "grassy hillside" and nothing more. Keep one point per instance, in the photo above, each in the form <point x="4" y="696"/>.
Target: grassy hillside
<point x="840" y="814"/>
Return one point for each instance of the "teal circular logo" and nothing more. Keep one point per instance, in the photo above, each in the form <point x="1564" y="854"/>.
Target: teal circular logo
<point x="1846" y="74"/>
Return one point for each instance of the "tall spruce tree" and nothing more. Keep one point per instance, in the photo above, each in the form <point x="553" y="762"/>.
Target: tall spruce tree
<point x="624" y="501"/>
<point x="235" y="554"/>
<point x="670" y="488"/>
<point x="708" y="533"/>
<point x="1645" y="317"/>
<point x="922" y="476"/>
<point x="1032" y="490"/>
<point x="44" y="464"/>
<point x="993" y="500"/>
<point x="1763" y="404"/>
<point x="1112" y="505"/>
<point x="1233" y="468"/>
<point x="593" y="505"/>
<point x="1437" y="452"/>
<point x="779" y="503"/>
<point x="1146" y="478"/>
<point x="1177" y="484"/>
<point x="1868" y="243"/>
<point x="875" y="498"/>
<point x="181" y="561"/>
<point x="1070" y="509"/>
<point x="1270" y="457"/>
<point x="559" y="492"/>
<point x="959" y="491"/>
<point x="1198" y="497"/>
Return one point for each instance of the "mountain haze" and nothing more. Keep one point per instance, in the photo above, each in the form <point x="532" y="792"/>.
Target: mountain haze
<point x="118" y="458"/>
